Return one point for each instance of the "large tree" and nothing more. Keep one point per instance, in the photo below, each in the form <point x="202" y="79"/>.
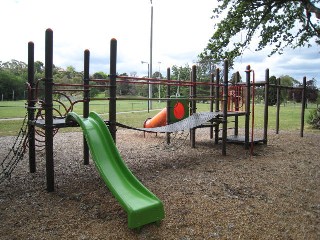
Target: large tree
<point x="276" y="23"/>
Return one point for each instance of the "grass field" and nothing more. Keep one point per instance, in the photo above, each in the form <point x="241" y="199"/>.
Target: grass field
<point x="134" y="113"/>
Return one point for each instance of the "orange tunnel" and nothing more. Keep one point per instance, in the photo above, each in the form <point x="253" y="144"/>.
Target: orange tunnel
<point x="158" y="120"/>
<point x="178" y="113"/>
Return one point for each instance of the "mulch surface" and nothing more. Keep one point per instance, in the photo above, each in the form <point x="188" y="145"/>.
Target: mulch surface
<point x="273" y="194"/>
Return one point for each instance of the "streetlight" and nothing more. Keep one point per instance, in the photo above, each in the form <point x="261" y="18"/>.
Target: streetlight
<point x="151" y="36"/>
<point x="143" y="62"/>
<point x="159" y="83"/>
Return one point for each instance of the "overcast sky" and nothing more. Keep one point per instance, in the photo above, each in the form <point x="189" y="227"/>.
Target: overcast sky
<point x="181" y="31"/>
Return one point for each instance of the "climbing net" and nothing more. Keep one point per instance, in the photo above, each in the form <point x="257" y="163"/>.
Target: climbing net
<point x="193" y="121"/>
<point x="16" y="152"/>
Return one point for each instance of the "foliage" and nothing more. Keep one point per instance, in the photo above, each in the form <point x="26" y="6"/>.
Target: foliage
<point x="182" y="74"/>
<point x="272" y="100"/>
<point x="278" y="23"/>
<point x="13" y="75"/>
<point x="314" y="118"/>
<point x="312" y="92"/>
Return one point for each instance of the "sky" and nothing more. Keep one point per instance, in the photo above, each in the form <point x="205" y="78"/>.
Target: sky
<point x="181" y="30"/>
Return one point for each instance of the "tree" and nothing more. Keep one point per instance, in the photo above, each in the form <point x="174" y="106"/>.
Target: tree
<point x="124" y="87"/>
<point x="278" y="23"/>
<point x="272" y="100"/>
<point x="181" y="74"/>
<point x="13" y="76"/>
<point x="11" y="86"/>
<point x="311" y="92"/>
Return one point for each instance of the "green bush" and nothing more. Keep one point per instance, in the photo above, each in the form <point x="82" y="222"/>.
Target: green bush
<point x="314" y="118"/>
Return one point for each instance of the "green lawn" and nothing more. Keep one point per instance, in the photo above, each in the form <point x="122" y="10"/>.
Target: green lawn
<point x="133" y="113"/>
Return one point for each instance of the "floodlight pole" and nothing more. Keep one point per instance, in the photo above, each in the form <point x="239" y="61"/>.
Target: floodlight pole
<point x="150" y="70"/>
<point x="143" y="62"/>
<point x="159" y="83"/>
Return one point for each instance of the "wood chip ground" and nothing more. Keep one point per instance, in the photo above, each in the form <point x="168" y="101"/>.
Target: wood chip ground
<point x="274" y="194"/>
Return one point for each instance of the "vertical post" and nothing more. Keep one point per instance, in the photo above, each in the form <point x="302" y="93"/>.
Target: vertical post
<point x="237" y="92"/>
<point x="86" y="98"/>
<point x="168" y="104"/>
<point x="48" y="86"/>
<point x="278" y="106"/>
<point x="303" y="103"/>
<point x="266" y="107"/>
<point x="113" y="89"/>
<point x="31" y="110"/>
<point x="217" y="102"/>
<point x="151" y="39"/>
<point x="247" y="115"/>
<point x="225" y="107"/>
<point x="211" y="103"/>
<point x="193" y="103"/>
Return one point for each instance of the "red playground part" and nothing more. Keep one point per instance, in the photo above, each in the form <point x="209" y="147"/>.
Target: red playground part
<point x="160" y="119"/>
<point x="178" y="111"/>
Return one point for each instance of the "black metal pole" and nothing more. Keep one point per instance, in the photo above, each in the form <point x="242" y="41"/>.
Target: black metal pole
<point x="247" y="115"/>
<point x="150" y="69"/>
<point x="113" y="89"/>
<point x="278" y="106"/>
<point x="217" y="102"/>
<point x="303" y="107"/>
<point x="31" y="110"/>
<point x="266" y="107"/>
<point x="86" y="97"/>
<point x="193" y="103"/>
<point x="237" y="93"/>
<point x="211" y="103"/>
<point x="48" y="109"/>
<point x="168" y="105"/>
<point x="225" y="108"/>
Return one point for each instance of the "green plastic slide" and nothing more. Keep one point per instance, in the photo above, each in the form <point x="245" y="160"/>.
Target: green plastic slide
<point x="141" y="205"/>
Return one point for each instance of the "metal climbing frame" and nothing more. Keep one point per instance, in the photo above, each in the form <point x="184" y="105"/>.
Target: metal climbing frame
<point x="49" y="123"/>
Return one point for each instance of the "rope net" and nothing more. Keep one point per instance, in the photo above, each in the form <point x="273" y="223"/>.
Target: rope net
<point x="193" y="121"/>
<point x="15" y="154"/>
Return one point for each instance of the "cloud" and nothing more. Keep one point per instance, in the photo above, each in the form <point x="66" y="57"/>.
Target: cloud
<point x="296" y="63"/>
<point x="181" y="31"/>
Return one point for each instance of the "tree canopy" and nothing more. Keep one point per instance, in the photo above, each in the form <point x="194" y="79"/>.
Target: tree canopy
<point x="276" y="23"/>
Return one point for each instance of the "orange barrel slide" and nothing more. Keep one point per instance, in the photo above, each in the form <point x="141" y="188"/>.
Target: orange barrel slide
<point x="158" y="120"/>
<point x="178" y="112"/>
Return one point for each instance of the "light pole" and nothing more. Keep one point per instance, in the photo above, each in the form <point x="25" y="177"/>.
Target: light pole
<point x="159" y="83"/>
<point x="143" y="62"/>
<point x="151" y="38"/>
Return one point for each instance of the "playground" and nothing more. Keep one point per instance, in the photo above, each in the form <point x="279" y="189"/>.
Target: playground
<point x="272" y="195"/>
<point x="183" y="174"/>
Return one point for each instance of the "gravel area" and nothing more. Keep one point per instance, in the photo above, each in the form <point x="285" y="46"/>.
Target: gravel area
<point x="274" y="194"/>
